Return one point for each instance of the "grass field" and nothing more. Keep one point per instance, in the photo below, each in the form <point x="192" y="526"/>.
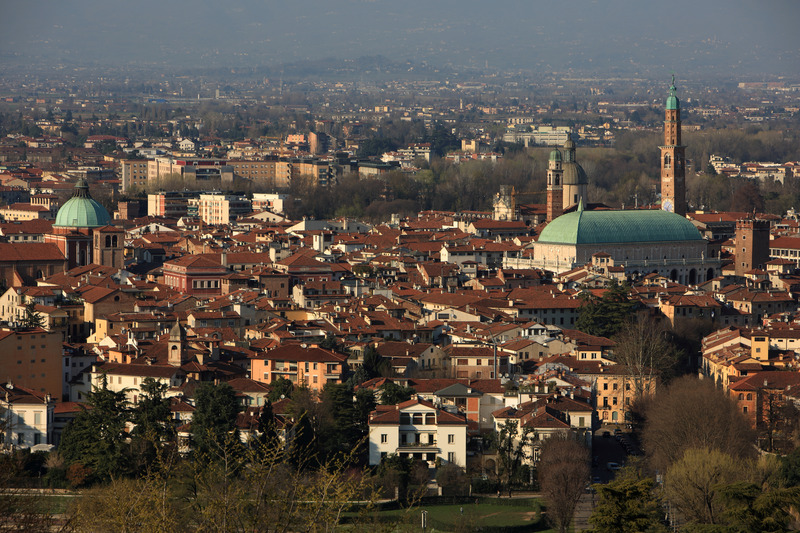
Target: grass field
<point x="513" y="516"/>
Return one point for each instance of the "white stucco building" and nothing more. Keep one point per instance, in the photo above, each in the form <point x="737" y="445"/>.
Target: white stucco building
<point x="419" y="430"/>
<point x="27" y="416"/>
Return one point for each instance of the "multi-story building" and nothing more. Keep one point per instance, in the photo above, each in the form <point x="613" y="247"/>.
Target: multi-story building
<point x="418" y="430"/>
<point x="27" y="416"/>
<point x="134" y="173"/>
<point x="222" y="208"/>
<point x="537" y="135"/>
<point x="31" y="358"/>
<point x="195" y="274"/>
<point x="169" y="204"/>
<point x="311" y="366"/>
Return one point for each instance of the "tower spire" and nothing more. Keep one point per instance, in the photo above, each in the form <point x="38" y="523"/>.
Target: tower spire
<point x="673" y="157"/>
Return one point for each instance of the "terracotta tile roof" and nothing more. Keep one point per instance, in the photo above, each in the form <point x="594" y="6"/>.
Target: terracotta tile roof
<point x="34" y="251"/>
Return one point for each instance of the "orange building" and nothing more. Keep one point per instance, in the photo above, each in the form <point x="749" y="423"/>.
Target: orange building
<point x="31" y="358"/>
<point x="309" y="366"/>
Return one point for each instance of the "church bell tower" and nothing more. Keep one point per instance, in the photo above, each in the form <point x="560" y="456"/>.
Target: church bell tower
<point x="555" y="192"/>
<point x="673" y="158"/>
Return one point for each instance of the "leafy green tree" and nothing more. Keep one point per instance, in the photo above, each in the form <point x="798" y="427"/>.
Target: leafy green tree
<point x="301" y="443"/>
<point x="512" y="446"/>
<point x="152" y="418"/>
<point x="364" y="404"/>
<point x="279" y="389"/>
<point x="790" y="469"/>
<point x="395" y="473"/>
<point x="605" y="316"/>
<point x="391" y="393"/>
<point x="267" y="437"/>
<point x="375" y="364"/>
<point x="339" y="431"/>
<point x="628" y="504"/>
<point x="32" y="318"/>
<point x="750" y="508"/>
<point x="693" y="483"/>
<point x="330" y="343"/>
<point x="214" y="417"/>
<point x="96" y="439"/>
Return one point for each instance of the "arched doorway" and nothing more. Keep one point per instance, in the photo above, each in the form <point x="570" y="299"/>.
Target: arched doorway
<point x="692" y="277"/>
<point x="673" y="275"/>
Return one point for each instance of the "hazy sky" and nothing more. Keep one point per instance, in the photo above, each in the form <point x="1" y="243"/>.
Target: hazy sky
<point x="625" y="36"/>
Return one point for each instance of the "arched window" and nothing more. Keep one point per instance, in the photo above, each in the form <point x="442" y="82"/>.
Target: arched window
<point x="667" y="161"/>
<point x="108" y="241"/>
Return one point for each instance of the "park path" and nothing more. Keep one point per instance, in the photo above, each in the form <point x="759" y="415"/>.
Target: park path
<point x="583" y="511"/>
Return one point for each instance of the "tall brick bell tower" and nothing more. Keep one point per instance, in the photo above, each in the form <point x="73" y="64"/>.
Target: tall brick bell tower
<point x="673" y="158"/>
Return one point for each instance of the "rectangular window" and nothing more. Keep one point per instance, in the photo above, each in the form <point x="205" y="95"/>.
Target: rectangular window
<point x="384" y="438"/>
<point x="451" y="439"/>
<point x="451" y="457"/>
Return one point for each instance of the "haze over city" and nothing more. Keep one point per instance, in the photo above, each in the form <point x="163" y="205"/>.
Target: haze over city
<point x="300" y="266"/>
<point x="614" y="38"/>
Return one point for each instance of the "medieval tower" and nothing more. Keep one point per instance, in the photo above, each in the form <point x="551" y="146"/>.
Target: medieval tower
<point x="673" y="160"/>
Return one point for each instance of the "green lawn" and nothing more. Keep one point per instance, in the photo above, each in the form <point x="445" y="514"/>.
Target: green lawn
<point x="519" y="516"/>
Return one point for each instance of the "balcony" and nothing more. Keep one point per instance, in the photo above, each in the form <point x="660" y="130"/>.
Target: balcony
<point x="419" y="446"/>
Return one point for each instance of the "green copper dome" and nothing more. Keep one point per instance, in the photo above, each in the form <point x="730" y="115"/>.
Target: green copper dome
<point x="672" y="100"/>
<point x="614" y="227"/>
<point x="555" y="155"/>
<point x="81" y="211"/>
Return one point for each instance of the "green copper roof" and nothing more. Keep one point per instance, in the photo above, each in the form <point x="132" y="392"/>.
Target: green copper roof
<point x="672" y="99"/>
<point x="81" y="211"/>
<point x="555" y="155"/>
<point x="615" y="227"/>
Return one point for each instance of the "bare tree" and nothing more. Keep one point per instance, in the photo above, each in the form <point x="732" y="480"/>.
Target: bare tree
<point x="643" y="349"/>
<point x="563" y="474"/>
<point x="693" y="413"/>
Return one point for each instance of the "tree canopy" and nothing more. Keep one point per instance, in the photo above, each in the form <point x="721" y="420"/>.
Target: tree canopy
<point x="214" y="417"/>
<point x="605" y="316"/>
<point x="96" y="441"/>
<point x="693" y="413"/>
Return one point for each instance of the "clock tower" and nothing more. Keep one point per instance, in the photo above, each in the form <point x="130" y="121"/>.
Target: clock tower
<point x="673" y="158"/>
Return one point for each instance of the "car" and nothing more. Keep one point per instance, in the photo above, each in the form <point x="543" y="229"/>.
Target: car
<point x="596" y="479"/>
<point x="606" y="434"/>
<point x="612" y="466"/>
<point x="617" y="431"/>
